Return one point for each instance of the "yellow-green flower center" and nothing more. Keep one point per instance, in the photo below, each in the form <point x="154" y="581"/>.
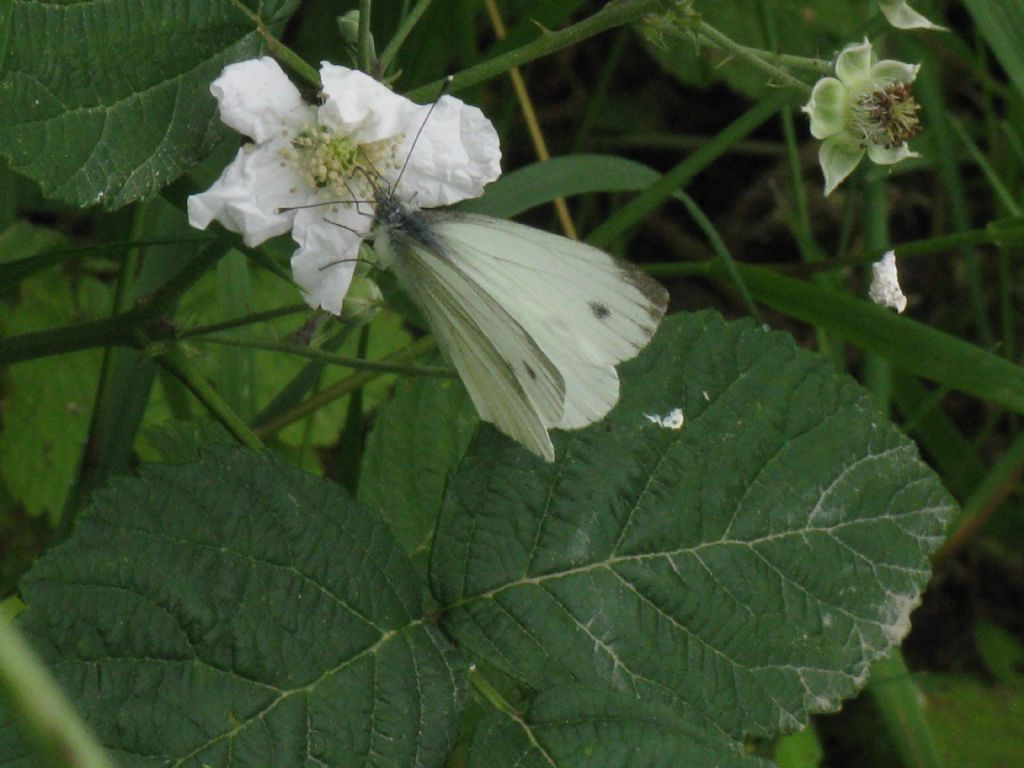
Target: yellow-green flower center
<point x="340" y="168"/>
<point x="886" y="117"/>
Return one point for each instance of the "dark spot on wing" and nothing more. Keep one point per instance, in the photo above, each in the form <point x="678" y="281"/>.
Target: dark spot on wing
<point x="530" y="372"/>
<point x="600" y="310"/>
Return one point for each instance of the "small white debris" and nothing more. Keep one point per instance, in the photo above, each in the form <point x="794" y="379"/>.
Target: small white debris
<point x="885" y="284"/>
<point x="673" y="420"/>
<point x="706" y="395"/>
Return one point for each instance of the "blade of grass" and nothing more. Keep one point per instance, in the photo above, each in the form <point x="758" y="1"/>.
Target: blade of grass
<point x="907" y="344"/>
<point x="1002" y="24"/>
<point x="49" y="719"/>
<point x="631" y="214"/>
<point x="899" y="702"/>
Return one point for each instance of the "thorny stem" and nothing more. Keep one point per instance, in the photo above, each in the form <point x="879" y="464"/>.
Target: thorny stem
<point x="771" y="63"/>
<point x="615" y="14"/>
<point x="281" y="51"/>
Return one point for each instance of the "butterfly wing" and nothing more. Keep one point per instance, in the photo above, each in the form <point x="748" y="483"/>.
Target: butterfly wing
<point x="512" y="382"/>
<point x="585" y="310"/>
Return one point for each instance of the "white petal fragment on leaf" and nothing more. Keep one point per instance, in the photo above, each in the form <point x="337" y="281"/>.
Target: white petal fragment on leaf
<point x="885" y="284"/>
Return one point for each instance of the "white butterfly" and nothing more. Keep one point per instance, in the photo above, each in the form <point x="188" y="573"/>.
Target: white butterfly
<point x="534" y="323"/>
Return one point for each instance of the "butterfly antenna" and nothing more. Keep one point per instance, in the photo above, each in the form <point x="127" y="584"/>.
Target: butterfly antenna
<point x="444" y="89"/>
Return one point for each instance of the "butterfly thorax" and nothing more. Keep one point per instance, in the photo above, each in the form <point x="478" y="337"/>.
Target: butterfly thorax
<point x="395" y="221"/>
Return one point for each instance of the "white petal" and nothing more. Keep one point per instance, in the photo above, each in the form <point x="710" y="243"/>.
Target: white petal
<point x="902" y="16"/>
<point x="257" y="99"/>
<point x="456" y="155"/>
<point x="248" y="193"/>
<point x="827" y="108"/>
<point x="838" y="157"/>
<point x="890" y="71"/>
<point x="889" y="155"/>
<point x="854" y="63"/>
<point x="325" y="261"/>
<point x="360" y="107"/>
<point x="885" y="284"/>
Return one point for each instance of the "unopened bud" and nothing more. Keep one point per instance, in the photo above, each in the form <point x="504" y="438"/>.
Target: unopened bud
<point x="362" y="301"/>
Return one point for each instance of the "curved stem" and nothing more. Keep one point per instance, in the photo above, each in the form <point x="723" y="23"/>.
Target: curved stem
<point x="770" y="63"/>
<point x="614" y="14"/>
<point x="177" y="364"/>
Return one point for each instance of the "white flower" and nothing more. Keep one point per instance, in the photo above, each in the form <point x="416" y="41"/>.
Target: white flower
<point x="885" y="283"/>
<point x="315" y="170"/>
<point x="902" y="16"/>
<point x="868" y="109"/>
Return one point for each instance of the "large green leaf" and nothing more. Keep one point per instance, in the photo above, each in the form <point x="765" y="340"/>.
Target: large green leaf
<point x="568" y="727"/>
<point x="418" y="437"/>
<point x="108" y="101"/>
<point x="236" y="611"/>
<point x="746" y="567"/>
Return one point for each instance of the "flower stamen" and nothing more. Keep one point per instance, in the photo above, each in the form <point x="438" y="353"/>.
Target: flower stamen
<point x="887" y="117"/>
<point x="336" y="165"/>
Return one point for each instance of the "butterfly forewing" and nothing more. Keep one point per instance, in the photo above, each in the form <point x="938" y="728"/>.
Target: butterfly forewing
<point x="512" y="382"/>
<point x="585" y="310"/>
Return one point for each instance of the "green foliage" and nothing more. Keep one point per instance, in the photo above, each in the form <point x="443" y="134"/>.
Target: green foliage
<point x="47" y="420"/>
<point x="727" y="577"/>
<point x="600" y="729"/>
<point x="205" y="614"/>
<point x="746" y="568"/>
<point x="420" y="436"/>
<point x="695" y="593"/>
<point x="801" y="27"/>
<point x="107" y="102"/>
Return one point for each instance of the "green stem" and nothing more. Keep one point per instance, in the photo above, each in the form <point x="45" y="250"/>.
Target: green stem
<point x="344" y="387"/>
<point x="364" y="44"/>
<point x="614" y="14"/>
<point x="177" y="364"/>
<point x="722" y="251"/>
<point x="631" y="214"/>
<point x="899" y="703"/>
<point x="240" y="322"/>
<point x="280" y="51"/>
<point x="404" y="28"/>
<point x="770" y="63"/>
<point x="13" y="271"/>
<point x="1002" y="481"/>
<point x="48" y="717"/>
<point x="328" y="357"/>
<point x="108" y="332"/>
<point x="120" y="330"/>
